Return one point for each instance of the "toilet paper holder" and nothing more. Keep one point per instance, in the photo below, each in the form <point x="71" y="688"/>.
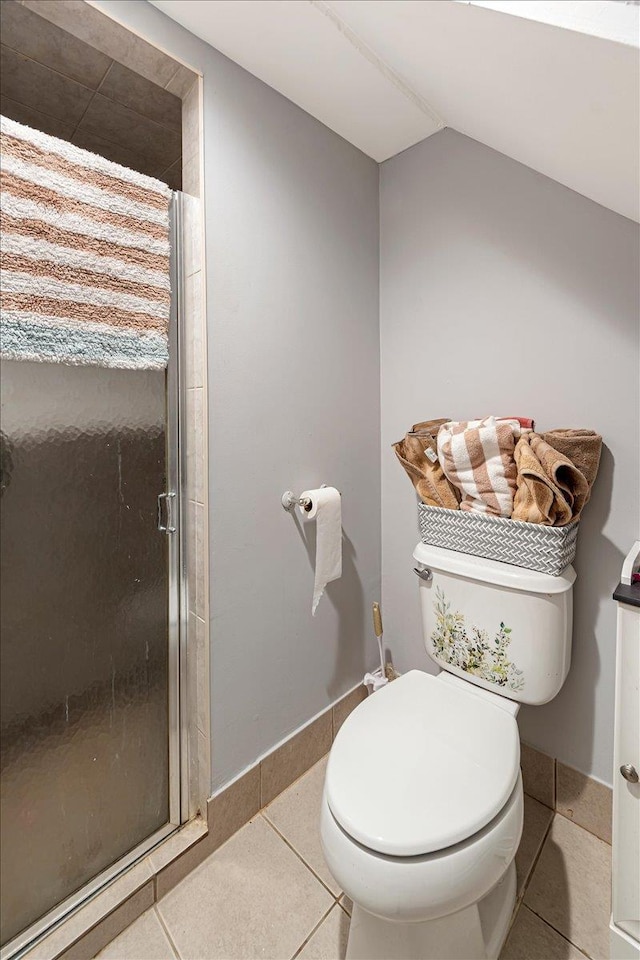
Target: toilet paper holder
<point x="289" y="500"/>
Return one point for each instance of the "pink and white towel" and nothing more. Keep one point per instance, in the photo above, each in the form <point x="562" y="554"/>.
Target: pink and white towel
<point x="477" y="457"/>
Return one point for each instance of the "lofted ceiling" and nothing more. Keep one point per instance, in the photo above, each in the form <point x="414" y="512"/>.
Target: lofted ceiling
<point x="554" y="84"/>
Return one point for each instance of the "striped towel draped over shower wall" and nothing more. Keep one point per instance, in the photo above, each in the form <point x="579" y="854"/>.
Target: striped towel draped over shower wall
<point x="84" y="256"/>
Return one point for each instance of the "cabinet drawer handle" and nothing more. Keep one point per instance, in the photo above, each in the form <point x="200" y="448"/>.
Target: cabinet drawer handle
<point x="629" y="772"/>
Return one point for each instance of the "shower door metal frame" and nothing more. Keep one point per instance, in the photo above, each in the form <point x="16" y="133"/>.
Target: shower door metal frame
<point x="177" y="613"/>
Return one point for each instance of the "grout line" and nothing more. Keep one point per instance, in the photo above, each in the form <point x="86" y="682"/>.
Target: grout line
<point x="301" y="858"/>
<point x="555" y="930"/>
<point x="95" y="93"/>
<point x="521" y="902"/>
<point x="317" y="926"/>
<point x="534" y="864"/>
<point x="172" y="77"/>
<point x="166" y="930"/>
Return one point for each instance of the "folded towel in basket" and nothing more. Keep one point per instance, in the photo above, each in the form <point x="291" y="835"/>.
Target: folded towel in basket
<point x="551" y="489"/>
<point x="418" y="455"/>
<point x="581" y="447"/>
<point x="477" y="457"/>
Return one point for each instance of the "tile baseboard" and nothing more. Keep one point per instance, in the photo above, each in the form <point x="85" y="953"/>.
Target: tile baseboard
<point x="574" y="795"/>
<point x="236" y="804"/>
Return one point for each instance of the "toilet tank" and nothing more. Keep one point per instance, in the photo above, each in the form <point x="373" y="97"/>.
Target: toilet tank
<point x="498" y="626"/>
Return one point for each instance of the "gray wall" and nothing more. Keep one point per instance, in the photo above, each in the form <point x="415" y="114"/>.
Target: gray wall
<point x="292" y="313"/>
<point x="504" y="292"/>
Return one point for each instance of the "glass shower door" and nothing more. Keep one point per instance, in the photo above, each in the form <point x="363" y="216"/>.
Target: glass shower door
<point x="88" y="667"/>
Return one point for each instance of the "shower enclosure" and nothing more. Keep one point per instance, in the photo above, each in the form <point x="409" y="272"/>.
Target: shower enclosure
<point x="91" y="601"/>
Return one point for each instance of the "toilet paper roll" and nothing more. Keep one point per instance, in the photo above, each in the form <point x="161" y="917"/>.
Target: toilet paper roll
<point x="326" y="509"/>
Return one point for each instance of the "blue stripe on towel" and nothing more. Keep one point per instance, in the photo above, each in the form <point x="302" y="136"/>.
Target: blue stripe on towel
<point x="28" y="339"/>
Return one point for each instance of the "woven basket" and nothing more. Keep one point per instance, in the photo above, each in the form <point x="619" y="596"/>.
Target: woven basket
<point x="530" y="545"/>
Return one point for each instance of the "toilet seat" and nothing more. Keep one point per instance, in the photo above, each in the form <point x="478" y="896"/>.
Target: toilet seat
<point x="420" y="766"/>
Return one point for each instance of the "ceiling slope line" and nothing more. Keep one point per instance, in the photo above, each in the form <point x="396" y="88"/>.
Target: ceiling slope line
<point x="388" y="72"/>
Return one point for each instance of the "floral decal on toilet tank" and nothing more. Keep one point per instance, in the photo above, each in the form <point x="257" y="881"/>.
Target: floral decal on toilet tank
<point x="472" y="650"/>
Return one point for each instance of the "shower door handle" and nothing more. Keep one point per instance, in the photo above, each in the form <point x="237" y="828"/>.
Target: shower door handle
<point x="166" y="502"/>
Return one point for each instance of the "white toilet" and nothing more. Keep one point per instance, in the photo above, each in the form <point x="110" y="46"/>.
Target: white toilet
<point x="422" y="806"/>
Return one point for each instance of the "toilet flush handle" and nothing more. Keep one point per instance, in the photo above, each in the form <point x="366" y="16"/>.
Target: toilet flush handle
<point x="423" y="572"/>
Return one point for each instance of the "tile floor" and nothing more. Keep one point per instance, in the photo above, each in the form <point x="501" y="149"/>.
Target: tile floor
<point x="267" y="893"/>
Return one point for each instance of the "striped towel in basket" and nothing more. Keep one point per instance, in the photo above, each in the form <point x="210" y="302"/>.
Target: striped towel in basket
<point x="477" y="457"/>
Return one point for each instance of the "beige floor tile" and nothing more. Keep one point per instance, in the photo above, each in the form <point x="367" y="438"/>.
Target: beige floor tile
<point x="143" y="940"/>
<point x="329" y="942"/>
<point x="533" y="939"/>
<point x="538" y="775"/>
<point x="251" y="898"/>
<point x="570" y="886"/>
<point x="537" y="818"/>
<point x="584" y="800"/>
<point x="296" y="815"/>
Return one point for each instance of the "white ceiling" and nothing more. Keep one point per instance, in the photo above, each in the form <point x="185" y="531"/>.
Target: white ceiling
<point x="554" y="84"/>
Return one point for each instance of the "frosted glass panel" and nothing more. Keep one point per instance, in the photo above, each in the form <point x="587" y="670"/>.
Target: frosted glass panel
<point x="84" y="627"/>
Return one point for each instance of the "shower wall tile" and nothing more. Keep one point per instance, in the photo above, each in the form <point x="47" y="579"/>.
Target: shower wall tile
<point x="181" y="82"/>
<point x="201" y="606"/>
<point x="98" y="30"/>
<point x="190" y="445"/>
<point x="106" y="148"/>
<point x="199" y="359"/>
<point x="155" y="145"/>
<point x="21" y="113"/>
<point x="191" y="176"/>
<point x="191" y="122"/>
<point x="191" y="555"/>
<point x="202" y="685"/>
<point x="199" y="445"/>
<point x="193" y="336"/>
<point x="141" y="95"/>
<point x="172" y="176"/>
<point x="43" y="89"/>
<point x="192" y="235"/>
<point x="33" y="36"/>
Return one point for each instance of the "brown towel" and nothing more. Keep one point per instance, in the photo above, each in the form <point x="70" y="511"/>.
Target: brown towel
<point x="551" y="490"/>
<point x="426" y="474"/>
<point x="581" y="447"/>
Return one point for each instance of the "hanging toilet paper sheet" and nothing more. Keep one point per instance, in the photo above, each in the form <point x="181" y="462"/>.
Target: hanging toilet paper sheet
<point x="326" y="509"/>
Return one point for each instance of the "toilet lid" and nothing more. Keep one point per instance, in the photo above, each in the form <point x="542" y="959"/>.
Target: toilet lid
<point x="421" y="765"/>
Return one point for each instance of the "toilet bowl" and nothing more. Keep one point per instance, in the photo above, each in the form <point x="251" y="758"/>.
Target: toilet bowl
<point x="419" y="824"/>
<point x="422" y="807"/>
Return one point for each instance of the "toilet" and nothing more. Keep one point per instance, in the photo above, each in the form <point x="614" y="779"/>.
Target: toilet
<point x="422" y="806"/>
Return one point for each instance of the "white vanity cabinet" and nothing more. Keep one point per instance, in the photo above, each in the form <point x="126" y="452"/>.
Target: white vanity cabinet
<point x="625" y="906"/>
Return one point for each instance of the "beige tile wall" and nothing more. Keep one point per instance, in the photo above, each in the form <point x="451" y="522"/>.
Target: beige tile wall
<point x="195" y="441"/>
